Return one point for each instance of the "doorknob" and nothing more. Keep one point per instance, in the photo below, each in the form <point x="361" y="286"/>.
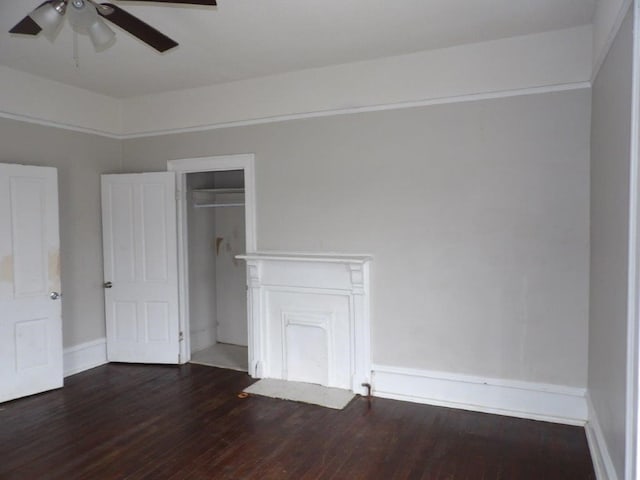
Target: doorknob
<point x="108" y="285"/>
<point x="54" y="295"/>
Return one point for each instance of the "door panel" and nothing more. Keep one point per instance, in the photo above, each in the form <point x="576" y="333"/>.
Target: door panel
<point x="28" y="228"/>
<point x="154" y="233"/>
<point x="30" y="320"/>
<point x="140" y="261"/>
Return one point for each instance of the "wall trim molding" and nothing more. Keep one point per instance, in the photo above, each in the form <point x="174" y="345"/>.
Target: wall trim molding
<point x="613" y="33"/>
<point x="602" y="463"/>
<point x="536" y="401"/>
<point x="61" y="125"/>
<point x="474" y="97"/>
<point x="84" y="356"/>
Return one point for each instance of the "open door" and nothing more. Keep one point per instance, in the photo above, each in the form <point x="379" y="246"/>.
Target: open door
<point x="140" y="267"/>
<point x="30" y="313"/>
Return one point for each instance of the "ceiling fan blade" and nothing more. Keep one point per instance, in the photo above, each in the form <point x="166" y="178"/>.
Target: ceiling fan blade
<point x="26" y="26"/>
<point x="139" y="29"/>
<point x="189" y="2"/>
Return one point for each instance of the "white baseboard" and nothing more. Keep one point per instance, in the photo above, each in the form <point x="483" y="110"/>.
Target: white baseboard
<point x="85" y="356"/>
<point x="602" y="463"/>
<point x="537" y="401"/>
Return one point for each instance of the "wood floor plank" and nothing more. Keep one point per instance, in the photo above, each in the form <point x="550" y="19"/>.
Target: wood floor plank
<point x="139" y="422"/>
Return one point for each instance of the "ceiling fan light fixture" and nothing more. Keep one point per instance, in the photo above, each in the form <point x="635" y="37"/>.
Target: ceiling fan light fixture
<point x="81" y="16"/>
<point x="101" y="35"/>
<point x="101" y="8"/>
<point x="60" y="6"/>
<point x="49" y="16"/>
<point x="87" y="16"/>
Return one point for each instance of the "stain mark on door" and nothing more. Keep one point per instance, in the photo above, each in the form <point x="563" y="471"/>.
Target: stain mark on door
<point x="54" y="270"/>
<point x="6" y="269"/>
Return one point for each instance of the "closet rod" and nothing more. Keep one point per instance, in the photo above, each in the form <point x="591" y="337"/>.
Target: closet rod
<point x="218" y="205"/>
<point x="218" y="190"/>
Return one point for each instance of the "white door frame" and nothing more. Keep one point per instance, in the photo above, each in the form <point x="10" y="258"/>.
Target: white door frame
<point x="244" y="162"/>
<point x="632" y="451"/>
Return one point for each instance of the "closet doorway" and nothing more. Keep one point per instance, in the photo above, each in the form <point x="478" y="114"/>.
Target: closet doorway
<point x="217" y="280"/>
<point x="215" y="224"/>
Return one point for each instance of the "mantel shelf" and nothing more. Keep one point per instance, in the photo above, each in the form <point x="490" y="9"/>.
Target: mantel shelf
<point x="307" y="257"/>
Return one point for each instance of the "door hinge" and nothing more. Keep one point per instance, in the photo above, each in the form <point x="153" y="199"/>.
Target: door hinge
<point x="181" y="337"/>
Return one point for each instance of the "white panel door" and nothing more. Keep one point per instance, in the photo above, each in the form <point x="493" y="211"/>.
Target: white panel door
<point x="30" y="312"/>
<point x="140" y="267"/>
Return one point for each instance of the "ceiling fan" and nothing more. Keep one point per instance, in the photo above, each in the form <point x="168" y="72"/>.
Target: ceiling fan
<point x="86" y="17"/>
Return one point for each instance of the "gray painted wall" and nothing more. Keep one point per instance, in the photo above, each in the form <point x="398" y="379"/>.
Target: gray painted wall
<point x="477" y="215"/>
<point x="231" y="274"/>
<point x="80" y="159"/>
<point x="610" y="163"/>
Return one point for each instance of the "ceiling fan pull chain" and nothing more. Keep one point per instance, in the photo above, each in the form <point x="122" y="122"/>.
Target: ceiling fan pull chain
<point x="76" y="56"/>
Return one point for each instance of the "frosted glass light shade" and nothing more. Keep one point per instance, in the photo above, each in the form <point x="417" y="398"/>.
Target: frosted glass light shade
<point x="47" y="18"/>
<point x="101" y="35"/>
<point x="81" y="16"/>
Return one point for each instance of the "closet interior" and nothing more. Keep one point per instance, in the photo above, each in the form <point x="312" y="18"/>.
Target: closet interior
<point x="217" y="280"/>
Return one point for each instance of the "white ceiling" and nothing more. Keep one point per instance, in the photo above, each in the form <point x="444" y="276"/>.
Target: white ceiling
<point x="242" y="39"/>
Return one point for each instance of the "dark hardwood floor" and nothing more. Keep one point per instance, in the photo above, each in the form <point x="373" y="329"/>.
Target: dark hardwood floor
<point x="156" y="422"/>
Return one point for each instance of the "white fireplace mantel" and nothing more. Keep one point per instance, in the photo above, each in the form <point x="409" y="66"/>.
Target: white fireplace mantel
<point x="309" y="318"/>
